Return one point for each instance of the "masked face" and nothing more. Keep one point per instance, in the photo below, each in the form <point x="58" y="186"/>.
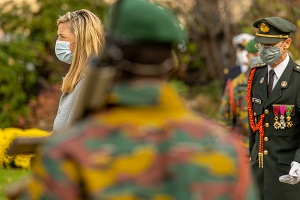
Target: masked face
<point x="63" y="51"/>
<point x="269" y="54"/>
<point x="242" y="57"/>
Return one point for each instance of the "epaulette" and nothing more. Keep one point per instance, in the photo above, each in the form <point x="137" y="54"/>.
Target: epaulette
<point x="297" y="68"/>
<point x="260" y="65"/>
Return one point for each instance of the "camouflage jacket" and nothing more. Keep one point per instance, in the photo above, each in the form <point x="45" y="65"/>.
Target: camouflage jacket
<point x="233" y="110"/>
<point x="145" y="146"/>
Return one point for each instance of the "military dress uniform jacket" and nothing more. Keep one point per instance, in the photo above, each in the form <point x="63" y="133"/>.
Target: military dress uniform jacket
<point x="281" y="146"/>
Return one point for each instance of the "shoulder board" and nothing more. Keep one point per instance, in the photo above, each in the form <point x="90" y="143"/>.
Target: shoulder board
<point x="297" y="68"/>
<point x="260" y="65"/>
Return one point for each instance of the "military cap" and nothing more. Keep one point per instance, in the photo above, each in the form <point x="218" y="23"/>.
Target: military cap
<point x="272" y="30"/>
<point x="141" y="20"/>
<point x="242" y="39"/>
<point x="250" y="46"/>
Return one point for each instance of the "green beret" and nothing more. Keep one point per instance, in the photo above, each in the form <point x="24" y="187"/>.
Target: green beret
<point x="250" y="46"/>
<point x="142" y="21"/>
<point x="272" y="30"/>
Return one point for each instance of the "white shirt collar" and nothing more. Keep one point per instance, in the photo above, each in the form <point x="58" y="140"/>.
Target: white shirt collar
<point x="279" y="69"/>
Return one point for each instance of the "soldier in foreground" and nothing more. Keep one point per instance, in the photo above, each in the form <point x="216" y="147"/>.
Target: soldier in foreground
<point x="143" y="144"/>
<point x="273" y="105"/>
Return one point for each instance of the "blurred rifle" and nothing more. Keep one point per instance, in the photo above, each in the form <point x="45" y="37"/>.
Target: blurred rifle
<point x="94" y="93"/>
<point x="25" y="145"/>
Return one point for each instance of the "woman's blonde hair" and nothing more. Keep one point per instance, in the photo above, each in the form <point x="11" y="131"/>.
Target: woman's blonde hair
<point x="89" y="41"/>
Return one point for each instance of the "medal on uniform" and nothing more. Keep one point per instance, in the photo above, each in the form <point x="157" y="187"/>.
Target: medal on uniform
<point x="289" y="111"/>
<point x="282" y="122"/>
<point x="276" y="112"/>
<point x="261" y="80"/>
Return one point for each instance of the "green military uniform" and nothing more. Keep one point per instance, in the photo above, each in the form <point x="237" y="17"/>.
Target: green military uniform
<point x="278" y="146"/>
<point x="233" y="111"/>
<point x="145" y="144"/>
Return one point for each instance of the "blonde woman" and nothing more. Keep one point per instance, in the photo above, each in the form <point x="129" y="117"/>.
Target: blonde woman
<point x="80" y="36"/>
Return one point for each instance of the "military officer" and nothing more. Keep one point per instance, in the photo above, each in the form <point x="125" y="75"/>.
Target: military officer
<point x="239" y="42"/>
<point x="145" y="144"/>
<point x="233" y="111"/>
<point x="273" y="106"/>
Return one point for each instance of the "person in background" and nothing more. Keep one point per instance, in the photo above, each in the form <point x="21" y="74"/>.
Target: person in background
<point x="143" y="144"/>
<point x="241" y="65"/>
<point x="80" y="36"/>
<point x="233" y="111"/>
<point x="273" y="107"/>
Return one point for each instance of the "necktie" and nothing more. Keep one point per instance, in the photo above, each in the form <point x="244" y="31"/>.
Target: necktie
<point x="271" y="80"/>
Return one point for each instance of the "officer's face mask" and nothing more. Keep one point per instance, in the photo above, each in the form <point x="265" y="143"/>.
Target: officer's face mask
<point x="269" y="54"/>
<point x="254" y="61"/>
<point x="63" y="51"/>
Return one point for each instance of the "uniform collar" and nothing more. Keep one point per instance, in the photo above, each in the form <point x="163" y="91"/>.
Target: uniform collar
<point x="144" y="93"/>
<point x="279" y="69"/>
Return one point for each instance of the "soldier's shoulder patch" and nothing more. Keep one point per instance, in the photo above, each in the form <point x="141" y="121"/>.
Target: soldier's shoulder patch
<point x="297" y="68"/>
<point x="260" y="65"/>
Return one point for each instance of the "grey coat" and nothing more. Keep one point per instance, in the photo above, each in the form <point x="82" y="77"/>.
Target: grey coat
<point x="64" y="116"/>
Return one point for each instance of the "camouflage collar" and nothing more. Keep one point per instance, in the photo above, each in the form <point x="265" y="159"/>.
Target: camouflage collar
<point x="143" y="94"/>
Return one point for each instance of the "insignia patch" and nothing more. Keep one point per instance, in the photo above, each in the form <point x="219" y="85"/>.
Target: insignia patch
<point x="261" y="80"/>
<point x="260" y="65"/>
<point x="264" y="28"/>
<point x="255" y="100"/>
<point x="284" y="84"/>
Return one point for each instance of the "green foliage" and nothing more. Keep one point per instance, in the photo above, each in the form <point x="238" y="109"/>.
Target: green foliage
<point x="9" y="176"/>
<point x="17" y="74"/>
<point x="27" y="58"/>
<point x="180" y="87"/>
<point x="206" y="98"/>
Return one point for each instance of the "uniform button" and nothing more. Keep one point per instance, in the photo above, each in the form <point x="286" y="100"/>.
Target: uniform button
<point x="254" y="113"/>
<point x="266" y="139"/>
<point x="266" y="111"/>
<point x="266" y="125"/>
<point x="266" y="152"/>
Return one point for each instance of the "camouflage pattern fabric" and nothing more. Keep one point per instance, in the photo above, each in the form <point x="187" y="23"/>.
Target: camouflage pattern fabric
<point x="145" y="146"/>
<point x="233" y="110"/>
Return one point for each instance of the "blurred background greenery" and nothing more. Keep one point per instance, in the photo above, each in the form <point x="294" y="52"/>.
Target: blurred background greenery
<point x="30" y="73"/>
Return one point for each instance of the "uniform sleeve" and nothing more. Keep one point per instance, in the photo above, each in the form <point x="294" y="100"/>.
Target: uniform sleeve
<point x="251" y="135"/>
<point x="225" y="116"/>
<point x="76" y="94"/>
<point x="217" y="170"/>
<point x="52" y="178"/>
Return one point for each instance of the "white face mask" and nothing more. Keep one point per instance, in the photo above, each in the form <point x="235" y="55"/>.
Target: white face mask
<point x="63" y="51"/>
<point x="242" y="57"/>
